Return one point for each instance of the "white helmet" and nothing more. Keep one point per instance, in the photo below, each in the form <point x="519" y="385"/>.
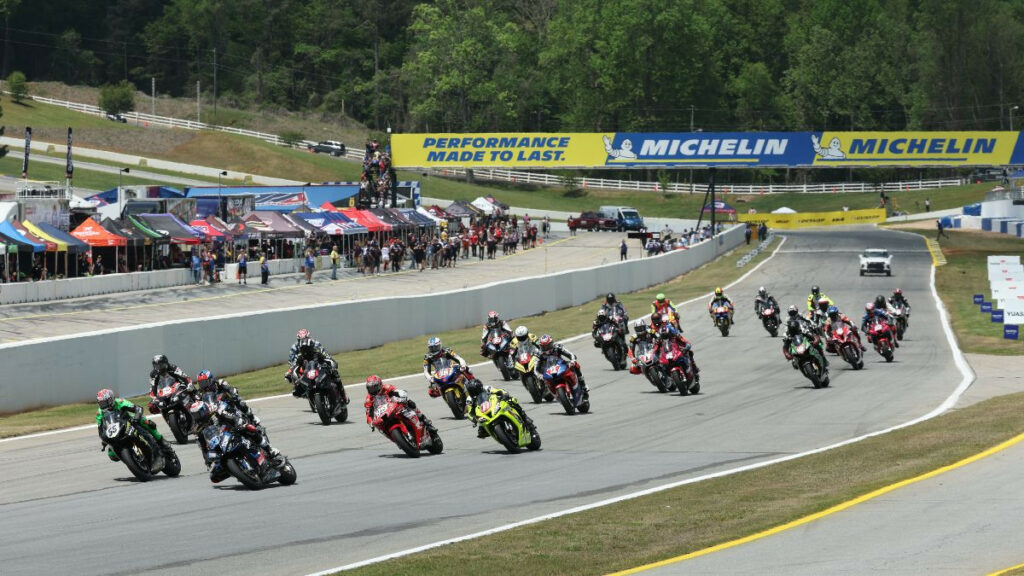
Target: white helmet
<point x="521" y="332"/>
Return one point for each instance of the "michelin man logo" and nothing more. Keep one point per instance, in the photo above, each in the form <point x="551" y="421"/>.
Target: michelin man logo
<point x="831" y="153"/>
<point x="625" y="152"/>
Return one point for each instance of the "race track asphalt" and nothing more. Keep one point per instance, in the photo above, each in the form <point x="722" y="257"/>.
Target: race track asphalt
<point x="64" y="508"/>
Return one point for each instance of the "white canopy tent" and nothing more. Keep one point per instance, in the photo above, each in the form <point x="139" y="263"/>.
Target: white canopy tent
<point x="784" y="210"/>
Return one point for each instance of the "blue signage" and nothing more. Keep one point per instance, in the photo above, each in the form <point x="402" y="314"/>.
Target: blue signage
<point x="986" y="306"/>
<point x="1009" y="332"/>
<point x="997" y="316"/>
<point x="979" y="298"/>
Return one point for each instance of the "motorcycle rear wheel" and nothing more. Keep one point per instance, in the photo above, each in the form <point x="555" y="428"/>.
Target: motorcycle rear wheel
<point x="436" y="445"/>
<point x="399" y="438"/>
<point x="172" y="466"/>
<point x="139" y="469"/>
<point x="342" y="414"/>
<point x="566" y="402"/>
<point x="506" y="437"/>
<point x="723" y="327"/>
<point x="250" y="480"/>
<point x="322" y="409"/>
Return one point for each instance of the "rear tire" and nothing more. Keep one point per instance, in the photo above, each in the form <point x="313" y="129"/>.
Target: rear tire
<point x="172" y="466"/>
<point x="505" y="437"/>
<point x="321" y="408"/>
<point x="140" y="470"/>
<point x="398" y="438"/>
<point x="566" y="402"/>
<point x="342" y="414"/>
<point x="250" y="481"/>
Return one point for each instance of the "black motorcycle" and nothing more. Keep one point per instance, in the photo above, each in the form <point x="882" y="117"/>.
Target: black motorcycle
<point x="232" y="446"/>
<point x="327" y="397"/>
<point x="136" y="447"/>
<point x="770" y="320"/>
<point x="613" y="344"/>
<point x="173" y="399"/>
<point x="497" y="349"/>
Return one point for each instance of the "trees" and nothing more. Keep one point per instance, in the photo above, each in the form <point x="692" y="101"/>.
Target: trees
<point x="17" y="86"/>
<point x="117" y="98"/>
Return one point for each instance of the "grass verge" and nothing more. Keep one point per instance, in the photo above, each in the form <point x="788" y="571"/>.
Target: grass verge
<point x="696" y="516"/>
<point x="84" y="178"/>
<point x="406" y="356"/>
<point x="966" y="274"/>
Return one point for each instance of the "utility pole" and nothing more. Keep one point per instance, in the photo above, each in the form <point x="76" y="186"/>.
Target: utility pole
<point x="214" y="85"/>
<point x="198" y="119"/>
<point x="152" y="96"/>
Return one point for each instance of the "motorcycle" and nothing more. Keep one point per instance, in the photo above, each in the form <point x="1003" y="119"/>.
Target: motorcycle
<point x="403" y="427"/>
<point x="722" y="319"/>
<point x="675" y="366"/>
<point x="899" y="318"/>
<point x="136" y="447"/>
<point x="880" y="334"/>
<point x="561" y="380"/>
<point x="647" y="364"/>
<point x="809" y="360"/>
<point x="237" y="451"/>
<point x="502" y="423"/>
<point x="844" y="343"/>
<point x="450" y="384"/>
<point x="294" y="377"/>
<point x="769" y="320"/>
<point x="613" y="344"/>
<point x="526" y="364"/>
<point x="497" y="349"/>
<point x="172" y="400"/>
<point x="327" y="397"/>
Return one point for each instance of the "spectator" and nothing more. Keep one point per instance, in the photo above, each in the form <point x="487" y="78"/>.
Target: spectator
<point x="308" y="266"/>
<point x="927" y="204"/>
<point x="243" y="268"/>
<point x="747" y="233"/>
<point x="264" y="269"/>
<point x="197" y="268"/>
<point x="335" y="257"/>
<point x="98" y="267"/>
<point x="623" y="250"/>
<point x="572" y="226"/>
<point x="546" y="226"/>
<point x="942" y="232"/>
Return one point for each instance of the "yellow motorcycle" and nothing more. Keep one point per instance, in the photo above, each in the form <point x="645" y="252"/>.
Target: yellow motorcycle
<point x="503" y="423"/>
<point x="525" y="362"/>
<point x="449" y="382"/>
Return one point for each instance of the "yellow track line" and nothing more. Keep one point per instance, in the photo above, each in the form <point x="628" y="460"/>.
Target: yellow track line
<point x="236" y="294"/>
<point x="938" y="258"/>
<point x="827" y="512"/>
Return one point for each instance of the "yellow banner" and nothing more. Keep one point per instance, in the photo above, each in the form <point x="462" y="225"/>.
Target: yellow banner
<point x="913" y="148"/>
<point x="808" y="219"/>
<point x="504" y="150"/>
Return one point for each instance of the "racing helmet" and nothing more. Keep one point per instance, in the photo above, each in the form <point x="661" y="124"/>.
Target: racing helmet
<point x="303" y="333"/>
<point x="521" y="333"/>
<point x="897" y="292"/>
<point x="640" y="327"/>
<point x="660" y="298"/>
<point x="823" y="303"/>
<point x="793" y="312"/>
<point x="602" y="315"/>
<point x="762" y="292"/>
<point x="374" y="384"/>
<point x="475" y="387"/>
<point x="880" y="301"/>
<point x="205" y="381"/>
<point x="610" y="298"/>
<point x="433" y="345"/>
<point x="160" y="363"/>
<point x="546" y="343"/>
<point x="105" y="398"/>
<point x="815" y="290"/>
<point x="833" y="312"/>
<point x="869" y="307"/>
<point x="493" y="319"/>
<point x="718" y="291"/>
<point x="657" y="320"/>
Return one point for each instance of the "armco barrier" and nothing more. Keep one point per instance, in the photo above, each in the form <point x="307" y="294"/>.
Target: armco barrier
<point x="70" y="369"/>
<point x="22" y="292"/>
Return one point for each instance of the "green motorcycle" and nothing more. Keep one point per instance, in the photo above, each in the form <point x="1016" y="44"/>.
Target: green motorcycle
<point x="503" y="423"/>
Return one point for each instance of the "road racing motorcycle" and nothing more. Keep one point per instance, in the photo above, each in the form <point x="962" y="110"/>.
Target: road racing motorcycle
<point x="675" y="366"/>
<point x="769" y="320"/>
<point x="561" y="380"/>
<point x="647" y="363"/>
<point x="845" y="344"/>
<point x="327" y="397"/>
<point x="722" y="319"/>
<point x="527" y="356"/>
<point x="503" y="423"/>
<point x="497" y="349"/>
<point x="449" y="382"/>
<point x="403" y="426"/>
<point x="880" y="334"/>
<point x="809" y="360"/>
<point x="172" y="399"/>
<point x="136" y="447"/>
<point x="613" y="344"/>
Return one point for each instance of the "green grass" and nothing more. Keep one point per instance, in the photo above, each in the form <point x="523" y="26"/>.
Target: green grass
<point x="697" y="516"/>
<point x="406" y="356"/>
<point x="10" y="165"/>
<point x="38" y="115"/>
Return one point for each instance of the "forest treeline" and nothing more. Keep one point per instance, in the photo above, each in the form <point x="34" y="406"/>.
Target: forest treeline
<point x="569" y="65"/>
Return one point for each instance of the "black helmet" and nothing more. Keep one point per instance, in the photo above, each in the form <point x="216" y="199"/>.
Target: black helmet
<point x="475" y="387"/>
<point x="793" y="312"/>
<point x="815" y="290"/>
<point x="610" y="298"/>
<point x="306" y="347"/>
<point x="793" y="327"/>
<point x="160" y="363"/>
<point x="880" y="302"/>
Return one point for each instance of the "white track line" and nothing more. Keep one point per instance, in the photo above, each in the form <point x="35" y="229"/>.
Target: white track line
<point x="965" y="382"/>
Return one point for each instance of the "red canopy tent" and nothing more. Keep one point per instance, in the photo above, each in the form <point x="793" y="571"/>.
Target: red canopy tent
<point x="366" y="219"/>
<point x="329" y="207"/>
<point x="207" y="229"/>
<point x="93" y="234"/>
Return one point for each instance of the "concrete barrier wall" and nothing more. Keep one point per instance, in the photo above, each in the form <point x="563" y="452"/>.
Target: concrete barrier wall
<point x="68" y="369"/>
<point x="280" y="266"/>
<point x="21" y="292"/>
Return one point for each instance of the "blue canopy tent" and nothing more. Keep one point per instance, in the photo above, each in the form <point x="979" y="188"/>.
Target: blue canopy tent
<point x="21" y="246"/>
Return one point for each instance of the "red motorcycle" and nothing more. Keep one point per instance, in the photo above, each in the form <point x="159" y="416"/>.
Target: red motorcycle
<point x="880" y="334"/>
<point x="677" y="368"/>
<point x="845" y="344"/>
<point x="561" y="380"/>
<point x="403" y="426"/>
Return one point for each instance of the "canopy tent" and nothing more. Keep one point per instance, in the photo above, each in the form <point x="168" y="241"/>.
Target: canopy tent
<point x="171" y="227"/>
<point x="328" y="207"/>
<point x="331" y="223"/>
<point x="48" y="246"/>
<point x="486" y="207"/>
<point x="95" y="235"/>
<point x="132" y="235"/>
<point x="418" y="219"/>
<point x="462" y="209"/>
<point x="272" y="224"/>
<point x="784" y="210"/>
<point x="720" y="208"/>
<point x="435" y="218"/>
<point x="366" y="219"/>
<point x="66" y="243"/>
<point x="74" y="245"/>
<point x="59" y="246"/>
<point x="8" y="210"/>
<point x="300" y="223"/>
<point x="397" y="223"/>
<point x="208" y="230"/>
<point x="12" y="237"/>
<point x="283" y="198"/>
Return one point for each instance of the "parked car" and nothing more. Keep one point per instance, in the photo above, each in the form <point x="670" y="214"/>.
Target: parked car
<point x="876" y="261"/>
<point x="595" y="221"/>
<point x="117" y="118"/>
<point x="627" y="218"/>
<point x="332" y="147"/>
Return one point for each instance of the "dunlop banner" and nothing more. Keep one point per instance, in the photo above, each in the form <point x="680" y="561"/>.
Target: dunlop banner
<point x="807" y="219"/>
<point x="707" y="149"/>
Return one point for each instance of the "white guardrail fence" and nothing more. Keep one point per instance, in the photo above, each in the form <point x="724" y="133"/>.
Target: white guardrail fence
<point x="62" y="369"/>
<point x="524" y="177"/>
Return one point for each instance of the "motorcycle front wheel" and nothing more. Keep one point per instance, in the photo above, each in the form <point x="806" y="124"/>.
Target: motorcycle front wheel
<point x="249" y="477"/>
<point x="530" y="383"/>
<point x="322" y="409"/>
<point x="136" y="462"/>
<point x="458" y="408"/>
<point x="403" y="442"/>
<point x="288" y="474"/>
<point x="172" y="466"/>
<point x="566" y="402"/>
<point x="507" y="436"/>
